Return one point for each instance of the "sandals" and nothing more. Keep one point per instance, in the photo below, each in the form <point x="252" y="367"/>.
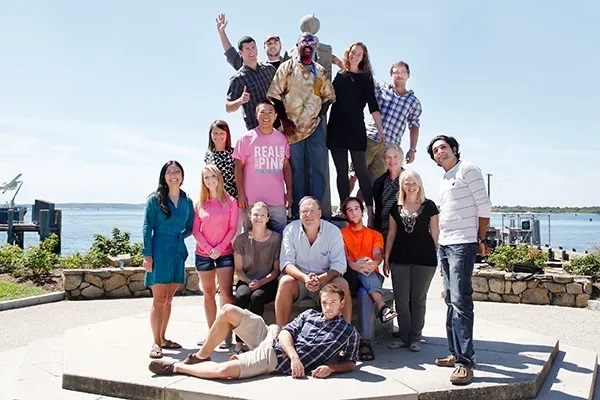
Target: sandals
<point x="386" y="314"/>
<point x="156" y="352"/>
<point x="365" y="351"/>
<point x="171" y="345"/>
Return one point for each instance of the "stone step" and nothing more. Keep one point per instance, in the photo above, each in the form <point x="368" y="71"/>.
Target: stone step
<point x="37" y="373"/>
<point x="111" y="358"/>
<point x="10" y="366"/>
<point x="572" y="376"/>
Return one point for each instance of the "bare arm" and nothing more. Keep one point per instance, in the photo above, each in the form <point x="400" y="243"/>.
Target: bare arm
<point x="239" y="183"/>
<point x="294" y="272"/>
<point x="391" y="236"/>
<point x="434" y="229"/>
<point x="414" y="139"/>
<point x="287" y="344"/>
<point x="328" y="276"/>
<point x="271" y="275"/>
<point x="287" y="177"/>
<point x="239" y="267"/>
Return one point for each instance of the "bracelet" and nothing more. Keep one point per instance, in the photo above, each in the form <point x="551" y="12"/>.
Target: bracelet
<point x="412" y="149"/>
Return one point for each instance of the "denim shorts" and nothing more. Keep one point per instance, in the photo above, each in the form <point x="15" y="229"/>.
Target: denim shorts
<point x="204" y="264"/>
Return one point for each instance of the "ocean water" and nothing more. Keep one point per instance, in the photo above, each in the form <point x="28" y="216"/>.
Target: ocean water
<point x="581" y="231"/>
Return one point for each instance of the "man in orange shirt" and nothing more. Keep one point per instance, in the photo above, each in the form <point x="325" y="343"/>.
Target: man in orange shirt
<point x="364" y="253"/>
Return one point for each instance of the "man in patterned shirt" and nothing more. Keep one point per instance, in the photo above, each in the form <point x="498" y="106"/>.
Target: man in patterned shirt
<point x="248" y="86"/>
<point x="302" y="92"/>
<point x="304" y="347"/>
<point x="399" y="107"/>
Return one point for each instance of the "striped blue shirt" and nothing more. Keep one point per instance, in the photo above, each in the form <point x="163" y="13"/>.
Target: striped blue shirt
<point x="317" y="340"/>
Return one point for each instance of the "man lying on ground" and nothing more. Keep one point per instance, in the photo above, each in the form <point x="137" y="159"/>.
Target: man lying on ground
<point x="315" y="343"/>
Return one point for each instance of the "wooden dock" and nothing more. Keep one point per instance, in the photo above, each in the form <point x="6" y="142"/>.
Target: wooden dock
<point x="47" y="223"/>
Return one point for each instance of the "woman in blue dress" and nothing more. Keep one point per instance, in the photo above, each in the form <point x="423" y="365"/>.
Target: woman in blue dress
<point x="168" y="220"/>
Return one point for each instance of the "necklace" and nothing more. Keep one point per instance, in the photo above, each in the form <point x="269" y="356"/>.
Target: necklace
<point x="409" y="219"/>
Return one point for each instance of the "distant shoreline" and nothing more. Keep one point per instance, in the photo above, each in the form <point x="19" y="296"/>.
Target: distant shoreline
<point x="497" y="209"/>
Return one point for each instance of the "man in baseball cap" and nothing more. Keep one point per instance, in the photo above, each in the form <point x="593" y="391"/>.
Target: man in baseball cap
<point x="272" y="46"/>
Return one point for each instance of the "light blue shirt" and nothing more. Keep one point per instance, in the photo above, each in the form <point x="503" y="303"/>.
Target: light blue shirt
<point x="327" y="251"/>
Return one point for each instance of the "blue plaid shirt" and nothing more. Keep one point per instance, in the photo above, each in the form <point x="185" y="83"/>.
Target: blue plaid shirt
<point x="317" y="340"/>
<point x="396" y="112"/>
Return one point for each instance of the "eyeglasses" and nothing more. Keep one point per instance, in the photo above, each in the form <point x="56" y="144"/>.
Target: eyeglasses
<point x="308" y="212"/>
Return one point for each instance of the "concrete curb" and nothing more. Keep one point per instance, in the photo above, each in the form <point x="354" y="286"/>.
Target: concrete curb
<point x="32" y="301"/>
<point x="594" y="305"/>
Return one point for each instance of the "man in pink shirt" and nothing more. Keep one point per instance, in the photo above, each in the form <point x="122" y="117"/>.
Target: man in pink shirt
<point x="262" y="168"/>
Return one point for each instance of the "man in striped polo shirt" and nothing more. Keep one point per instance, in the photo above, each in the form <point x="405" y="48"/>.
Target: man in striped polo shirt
<point x="465" y="210"/>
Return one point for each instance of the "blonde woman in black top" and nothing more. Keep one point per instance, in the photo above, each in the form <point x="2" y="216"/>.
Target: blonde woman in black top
<point x="410" y="256"/>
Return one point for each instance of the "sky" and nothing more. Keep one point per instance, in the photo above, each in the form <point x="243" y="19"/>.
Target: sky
<point x="96" y="96"/>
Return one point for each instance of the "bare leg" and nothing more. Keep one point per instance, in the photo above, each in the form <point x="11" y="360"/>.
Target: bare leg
<point x="209" y="288"/>
<point x="347" y="310"/>
<point x="211" y="370"/>
<point x="377" y="299"/>
<point x="171" y="289"/>
<point x="287" y="292"/>
<point x="229" y="318"/>
<point x="159" y="295"/>
<point x="225" y="279"/>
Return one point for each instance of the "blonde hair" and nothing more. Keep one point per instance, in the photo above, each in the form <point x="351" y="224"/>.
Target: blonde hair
<point x="205" y="192"/>
<point x="394" y="147"/>
<point x="403" y="177"/>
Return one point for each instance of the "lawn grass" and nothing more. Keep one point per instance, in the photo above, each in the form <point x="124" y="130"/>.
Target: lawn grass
<point x="10" y="291"/>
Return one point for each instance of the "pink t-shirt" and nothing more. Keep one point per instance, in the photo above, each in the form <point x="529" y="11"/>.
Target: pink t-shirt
<point x="263" y="157"/>
<point x="215" y="226"/>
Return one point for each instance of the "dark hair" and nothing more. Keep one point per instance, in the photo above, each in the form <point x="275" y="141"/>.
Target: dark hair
<point x="162" y="192"/>
<point x="332" y="288"/>
<point x="348" y="200"/>
<point x="448" y="139"/>
<point x="221" y="125"/>
<point x="400" y="64"/>
<point x="264" y="101"/>
<point x="243" y="40"/>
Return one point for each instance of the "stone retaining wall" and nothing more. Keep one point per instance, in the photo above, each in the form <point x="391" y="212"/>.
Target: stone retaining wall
<point x="510" y="287"/>
<point x="84" y="284"/>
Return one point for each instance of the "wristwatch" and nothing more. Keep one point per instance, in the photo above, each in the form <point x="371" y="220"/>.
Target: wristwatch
<point x="413" y="149"/>
<point x="480" y="240"/>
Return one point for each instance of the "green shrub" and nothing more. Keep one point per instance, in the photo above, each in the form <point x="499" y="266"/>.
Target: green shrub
<point x="504" y="257"/>
<point x="102" y="247"/>
<point x="39" y="260"/>
<point x="588" y="265"/>
<point x="11" y="257"/>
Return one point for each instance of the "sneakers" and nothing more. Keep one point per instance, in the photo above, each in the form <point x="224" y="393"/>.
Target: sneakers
<point x="161" y="367"/>
<point x="462" y="375"/>
<point x="446" y="361"/>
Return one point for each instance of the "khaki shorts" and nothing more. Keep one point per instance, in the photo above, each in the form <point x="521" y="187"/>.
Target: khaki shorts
<point x="256" y="334"/>
<point x="375" y="161"/>
<point x="304" y="293"/>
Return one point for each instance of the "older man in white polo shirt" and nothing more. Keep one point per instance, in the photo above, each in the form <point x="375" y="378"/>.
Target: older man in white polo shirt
<point x="312" y="255"/>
